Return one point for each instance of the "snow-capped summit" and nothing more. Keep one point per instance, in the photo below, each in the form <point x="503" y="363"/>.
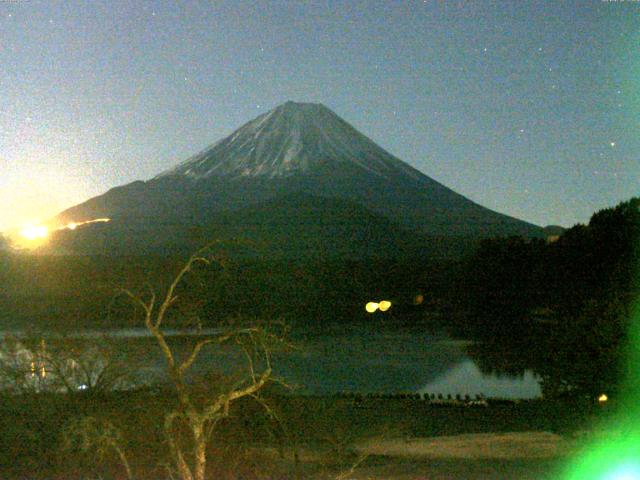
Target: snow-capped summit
<point x="292" y="138"/>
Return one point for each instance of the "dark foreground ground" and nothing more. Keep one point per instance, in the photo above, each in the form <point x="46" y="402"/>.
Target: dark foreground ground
<point x="302" y="437"/>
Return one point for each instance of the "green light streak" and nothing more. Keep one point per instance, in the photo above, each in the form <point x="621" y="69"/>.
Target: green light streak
<point x="615" y="455"/>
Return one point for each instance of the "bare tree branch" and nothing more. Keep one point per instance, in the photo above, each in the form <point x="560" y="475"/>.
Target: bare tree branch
<point x="196" y="416"/>
<point x="170" y="298"/>
<point x="346" y="474"/>
<point x="184" y="366"/>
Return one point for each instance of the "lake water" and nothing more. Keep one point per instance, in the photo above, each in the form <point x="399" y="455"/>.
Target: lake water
<point x="383" y="361"/>
<point x="370" y="359"/>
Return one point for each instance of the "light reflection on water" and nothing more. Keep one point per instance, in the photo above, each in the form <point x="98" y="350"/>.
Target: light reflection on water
<point x="368" y="361"/>
<point x="467" y="379"/>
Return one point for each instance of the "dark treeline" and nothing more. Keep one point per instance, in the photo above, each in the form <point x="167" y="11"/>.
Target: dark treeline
<point x="83" y="292"/>
<point x="560" y="307"/>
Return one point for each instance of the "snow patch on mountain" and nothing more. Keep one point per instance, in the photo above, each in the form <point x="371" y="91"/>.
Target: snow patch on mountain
<point x="290" y="139"/>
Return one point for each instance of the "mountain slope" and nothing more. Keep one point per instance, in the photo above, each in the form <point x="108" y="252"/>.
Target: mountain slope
<point x="295" y="226"/>
<point x="295" y="148"/>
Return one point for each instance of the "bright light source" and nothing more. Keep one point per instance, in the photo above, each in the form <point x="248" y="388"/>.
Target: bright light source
<point x="625" y="472"/>
<point x="384" y="305"/>
<point x="603" y="398"/>
<point x="34" y="232"/>
<point x="371" y="307"/>
<point x="34" y="235"/>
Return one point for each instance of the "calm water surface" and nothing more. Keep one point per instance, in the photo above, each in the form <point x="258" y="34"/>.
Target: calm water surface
<point x="364" y="359"/>
<point x="374" y="360"/>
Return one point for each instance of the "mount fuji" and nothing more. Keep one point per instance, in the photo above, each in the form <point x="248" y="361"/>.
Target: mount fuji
<point x="297" y="171"/>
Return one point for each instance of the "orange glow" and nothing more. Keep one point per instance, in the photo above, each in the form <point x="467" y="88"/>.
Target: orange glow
<point x="74" y="225"/>
<point x="34" y="235"/>
<point x="34" y="232"/>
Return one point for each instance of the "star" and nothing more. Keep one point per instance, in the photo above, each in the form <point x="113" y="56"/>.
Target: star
<point x="613" y="144"/>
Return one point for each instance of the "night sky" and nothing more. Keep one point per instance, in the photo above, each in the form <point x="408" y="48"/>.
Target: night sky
<point x="528" y="108"/>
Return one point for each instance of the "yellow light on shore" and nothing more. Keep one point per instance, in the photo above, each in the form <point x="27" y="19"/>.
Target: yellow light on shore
<point x="603" y="398"/>
<point x="384" y="305"/>
<point x="371" y="307"/>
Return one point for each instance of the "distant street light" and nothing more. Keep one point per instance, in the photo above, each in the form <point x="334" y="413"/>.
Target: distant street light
<point x="383" y="306"/>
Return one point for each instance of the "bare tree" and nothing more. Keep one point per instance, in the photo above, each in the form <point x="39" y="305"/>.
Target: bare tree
<point x="98" y="437"/>
<point x="34" y="363"/>
<point x="189" y="427"/>
<point x="21" y="368"/>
